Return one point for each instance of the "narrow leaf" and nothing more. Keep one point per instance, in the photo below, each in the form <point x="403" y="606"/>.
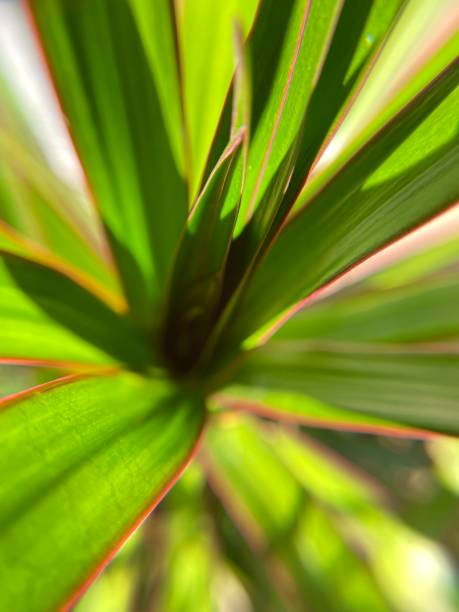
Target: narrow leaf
<point x="108" y="93"/>
<point x="285" y="71"/>
<point x="206" y="52"/>
<point x="419" y="312"/>
<point x="402" y="177"/>
<point x="40" y="207"/>
<point x="199" y="265"/>
<point x="291" y="526"/>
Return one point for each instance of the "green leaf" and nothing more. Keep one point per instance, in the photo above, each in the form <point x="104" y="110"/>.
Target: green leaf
<point x="156" y="26"/>
<point x="192" y="563"/>
<point x="414" y="388"/>
<point x="403" y="176"/>
<point x="242" y="462"/>
<point x="199" y="266"/>
<point x="40" y="207"/>
<point x="12" y="243"/>
<point x="429" y="260"/>
<point x="206" y="54"/>
<point x="37" y="325"/>
<point x="82" y="463"/>
<point x="367" y="526"/>
<point x="287" y="48"/>
<point x="419" y="312"/>
<point x="108" y="93"/>
<point x="359" y="37"/>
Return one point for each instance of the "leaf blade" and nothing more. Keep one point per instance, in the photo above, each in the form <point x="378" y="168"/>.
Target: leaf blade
<point x="36" y="325"/>
<point x="116" y="122"/>
<point x="337" y="239"/>
<point x="413" y="388"/>
<point x="85" y="471"/>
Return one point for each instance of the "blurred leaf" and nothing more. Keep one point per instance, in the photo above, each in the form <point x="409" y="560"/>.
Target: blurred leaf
<point x="445" y="455"/>
<point x="419" y="312"/>
<point x="103" y="452"/>
<point x="14" y="379"/>
<point x="394" y="554"/>
<point x="191" y="563"/>
<point x="36" y="325"/>
<point x="297" y="534"/>
<point x="156" y="26"/>
<point x="429" y="260"/>
<point x="108" y="93"/>
<point x="412" y="388"/>
<point x="38" y="206"/>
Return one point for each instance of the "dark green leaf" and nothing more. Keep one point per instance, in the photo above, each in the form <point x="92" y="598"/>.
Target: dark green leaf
<point x="403" y="176"/>
<point x="108" y="93"/>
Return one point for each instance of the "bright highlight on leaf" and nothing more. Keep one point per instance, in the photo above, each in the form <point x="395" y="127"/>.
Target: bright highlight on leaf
<point x="239" y="158"/>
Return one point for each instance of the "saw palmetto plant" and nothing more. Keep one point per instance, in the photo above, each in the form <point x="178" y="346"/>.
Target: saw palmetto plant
<point x="191" y="303"/>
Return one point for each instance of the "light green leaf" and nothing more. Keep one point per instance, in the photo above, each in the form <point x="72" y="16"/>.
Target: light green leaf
<point x="403" y="176"/>
<point x="156" y="26"/>
<point x="241" y="459"/>
<point x="37" y="325"/>
<point x="419" y="312"/>
<point x="206" y="53"/>
<point x="39" y="206"/>
<point x="360" y="34"/>
<point x="82" y="462"/>
<point x="108" y="93"/>
<point x="414" y="388"/>
<point x="429" y="260"/>
<point x="192" y="562"/>
<point x="298" y="407"/>
<point x="391" y="550"/>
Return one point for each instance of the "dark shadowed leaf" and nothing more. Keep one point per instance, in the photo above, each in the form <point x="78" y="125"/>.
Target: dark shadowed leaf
<point x="107" y="89"/>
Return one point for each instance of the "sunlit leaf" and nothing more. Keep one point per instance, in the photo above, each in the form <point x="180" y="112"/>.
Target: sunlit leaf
<point x="289" y="525"/>
<point x="287" y="67"/>
<point x="83" y="461"/>
<point x="419" y="312"/>
<point x="36" y="204"/>
<point x="206" y="54"/>
<point x="414" y="388"/>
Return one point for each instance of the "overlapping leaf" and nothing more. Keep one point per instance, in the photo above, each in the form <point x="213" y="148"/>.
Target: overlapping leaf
<point x="413" y="388"/>
<point x="206" y="55"/>
<point x="108" y="92"/>
<point x="286" y="523"/>
<point x="47" y="317"/>
<point x="37" y="206"/>
<point x="404" y="175"/>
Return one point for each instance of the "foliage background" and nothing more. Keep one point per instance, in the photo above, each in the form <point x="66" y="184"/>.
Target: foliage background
<point x="422" y="478"/>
